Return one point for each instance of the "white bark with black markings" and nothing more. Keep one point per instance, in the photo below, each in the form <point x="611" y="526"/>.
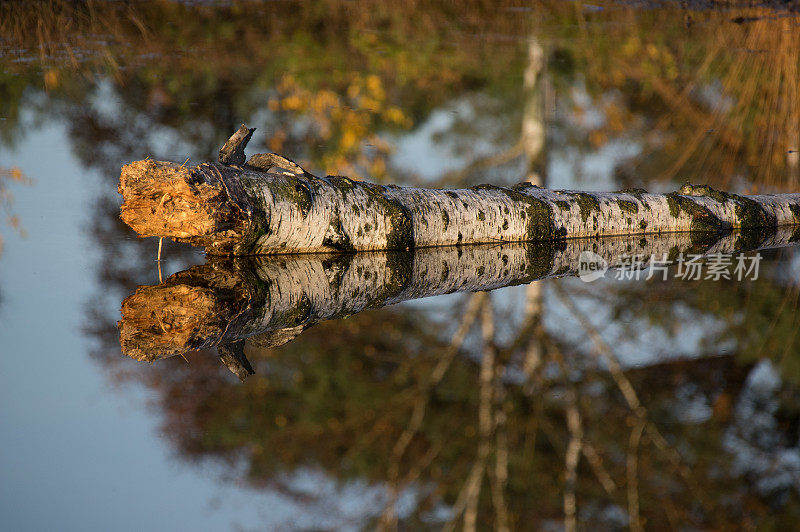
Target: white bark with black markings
<point x="270" y="205"/>
<point x="267" y="301"/>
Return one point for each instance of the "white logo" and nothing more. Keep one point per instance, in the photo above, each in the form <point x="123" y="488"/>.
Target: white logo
<point x="591" y="266"/>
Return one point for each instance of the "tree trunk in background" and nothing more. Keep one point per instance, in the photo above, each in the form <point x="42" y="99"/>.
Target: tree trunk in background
<point x="793" y="158"/>
<point x="534" y="147"/>
<point x="534" y="123"/>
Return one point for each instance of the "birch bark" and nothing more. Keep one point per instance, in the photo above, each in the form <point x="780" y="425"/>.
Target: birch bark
<point x="267" y="301"/>
<point x="270" y="205"/>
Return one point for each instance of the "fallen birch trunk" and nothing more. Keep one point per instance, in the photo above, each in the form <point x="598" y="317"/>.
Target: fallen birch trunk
<point x="270" y="205"/>
<point x="263" y="302"/>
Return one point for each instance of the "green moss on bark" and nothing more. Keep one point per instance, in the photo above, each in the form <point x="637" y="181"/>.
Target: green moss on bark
<point x="795" y="234"/>
<point x="293" y="317"/>
<point x="750" y="214"/>
<point x="637" y="193"/>
<point x="400" y="231"/>
<point x="258" y="216"/>
<point x="295" y="190"/>
<point x="400" y="271"/>
<point x="587" y="203"/>
<point x="795" y="212"/>
<point x="628" y="206"/>
<point x="703" y="220"/>
<point x="541" y="258"/>
<point x="538" y="215"/>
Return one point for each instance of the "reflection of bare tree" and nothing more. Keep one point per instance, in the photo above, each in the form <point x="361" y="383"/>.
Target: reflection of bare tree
<point x="389" y="517"/>
<point x="633" y="477"/>
<point x="453" y="421"/>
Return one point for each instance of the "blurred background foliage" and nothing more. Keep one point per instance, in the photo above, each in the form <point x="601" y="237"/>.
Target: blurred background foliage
<point x="709" y="94"/>
<point x="9" y="176"/>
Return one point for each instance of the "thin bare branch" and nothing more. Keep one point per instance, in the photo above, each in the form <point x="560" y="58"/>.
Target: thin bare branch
<point x="633" y="477"/>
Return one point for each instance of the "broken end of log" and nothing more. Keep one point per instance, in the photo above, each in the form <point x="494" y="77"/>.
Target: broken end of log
<point x="165" y="199"/>
<point x="191" y="310"/>
<point x="162" y="321"/>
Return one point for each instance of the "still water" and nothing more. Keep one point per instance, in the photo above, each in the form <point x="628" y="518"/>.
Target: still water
<point x="485" y="399"/>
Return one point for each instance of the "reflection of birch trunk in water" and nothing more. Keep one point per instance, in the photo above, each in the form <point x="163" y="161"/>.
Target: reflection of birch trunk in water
<point x="268" y="301"/>
<point x="632" y="399"/>
<point x="252" y="209"/>
<point x="485" y="419"/>
<point x="388" y="518"/>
